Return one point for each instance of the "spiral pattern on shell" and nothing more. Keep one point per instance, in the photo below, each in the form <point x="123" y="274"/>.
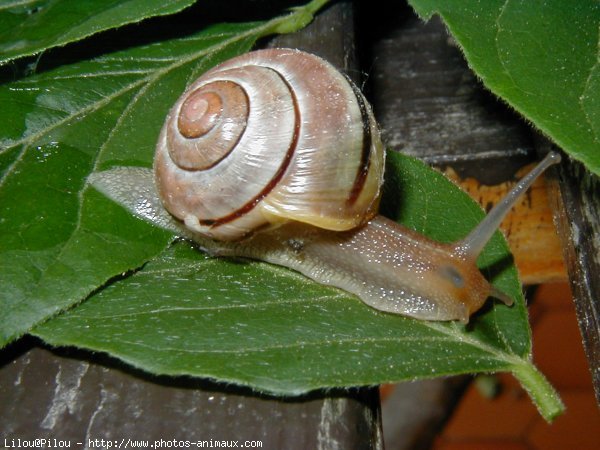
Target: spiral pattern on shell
<point x="267" y="137"/>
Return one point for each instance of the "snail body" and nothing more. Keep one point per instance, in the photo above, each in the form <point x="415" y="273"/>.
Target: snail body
<point x="290" y="173"/>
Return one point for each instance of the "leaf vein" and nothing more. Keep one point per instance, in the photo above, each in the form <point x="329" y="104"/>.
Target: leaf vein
<point x="287" y="346"/>
<point x="14" y="4"/>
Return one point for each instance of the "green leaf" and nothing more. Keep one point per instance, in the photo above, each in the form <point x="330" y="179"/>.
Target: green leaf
<point x="59" y="240"/>
<point x="541" y="56"/>
<point x="269" y="328"/>
<point x="28" y="27"/>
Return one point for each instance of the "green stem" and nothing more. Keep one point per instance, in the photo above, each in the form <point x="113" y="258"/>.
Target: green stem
<point x="315" y="5"/>
<point x="542" y="393"/>
<point x="298" y="18"/>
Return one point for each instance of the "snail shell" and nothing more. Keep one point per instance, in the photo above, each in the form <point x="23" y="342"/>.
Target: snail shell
<point x="268" y="137"/>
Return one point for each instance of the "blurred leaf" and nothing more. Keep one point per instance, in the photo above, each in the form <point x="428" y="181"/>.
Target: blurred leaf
<point x="541" y="56"/>
<point x="60" y="240"/>
<point x="30" y="26"/>
<point x="269" y="328"/>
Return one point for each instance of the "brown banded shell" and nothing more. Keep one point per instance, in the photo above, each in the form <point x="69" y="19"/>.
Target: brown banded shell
<point x="267" y="137"/>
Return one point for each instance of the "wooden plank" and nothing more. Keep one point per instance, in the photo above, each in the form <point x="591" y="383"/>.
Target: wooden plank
<point x="576" y="198"/>
<point x="73" y="396"/>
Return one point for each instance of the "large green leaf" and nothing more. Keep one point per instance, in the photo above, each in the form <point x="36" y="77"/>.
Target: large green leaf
<point x="266" y="327"/>
<point x="28" y="27"/>
<point x="541" y="56"/>
<point x="60" y="240"/>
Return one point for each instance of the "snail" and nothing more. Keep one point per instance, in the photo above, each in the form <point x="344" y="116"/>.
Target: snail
<point x="276" y="156"/>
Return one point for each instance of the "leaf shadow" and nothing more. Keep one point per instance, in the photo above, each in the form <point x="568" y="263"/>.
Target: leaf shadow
<point x="392" y="205"/>
<point x="499" y="266"/>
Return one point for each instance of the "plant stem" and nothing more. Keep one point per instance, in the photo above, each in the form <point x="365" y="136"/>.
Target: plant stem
<point x="299" y="18"/>
<point x="316" y="5"/>
<point x="544" y="396"/>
